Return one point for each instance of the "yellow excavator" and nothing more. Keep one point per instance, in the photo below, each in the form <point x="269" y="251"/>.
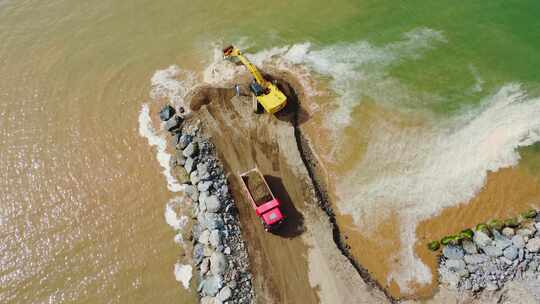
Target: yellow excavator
<point x="268" y="95"/>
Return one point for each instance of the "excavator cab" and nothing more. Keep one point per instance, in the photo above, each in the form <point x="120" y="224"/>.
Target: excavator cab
<point x="257" y="89"/>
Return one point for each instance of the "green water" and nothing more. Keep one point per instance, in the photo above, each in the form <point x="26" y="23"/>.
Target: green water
<point x="71" y="66"/>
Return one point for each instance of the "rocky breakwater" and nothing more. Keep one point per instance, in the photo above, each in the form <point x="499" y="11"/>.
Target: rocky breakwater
<point x="219" y="252"/>
<point x="493" y="257"/>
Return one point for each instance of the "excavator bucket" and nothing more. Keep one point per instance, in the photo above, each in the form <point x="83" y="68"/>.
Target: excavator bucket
<point x="227" y="51"/>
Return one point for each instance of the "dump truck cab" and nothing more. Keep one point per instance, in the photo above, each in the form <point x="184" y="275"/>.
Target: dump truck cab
<point x="266" y="205"/>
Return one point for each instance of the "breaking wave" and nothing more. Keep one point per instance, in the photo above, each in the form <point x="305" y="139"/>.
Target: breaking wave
<point x="429" y="169"/>
<point x="353" y="69"/>
<point x="154" y="139"/>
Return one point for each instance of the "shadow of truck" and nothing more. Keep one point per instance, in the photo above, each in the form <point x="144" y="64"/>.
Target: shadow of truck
<point x="293" y="225"/>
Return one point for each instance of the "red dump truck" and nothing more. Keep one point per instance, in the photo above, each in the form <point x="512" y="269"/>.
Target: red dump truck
<point x="262" y="199"/>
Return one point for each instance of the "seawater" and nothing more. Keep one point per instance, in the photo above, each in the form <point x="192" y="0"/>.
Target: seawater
<point x="427" y="106"/>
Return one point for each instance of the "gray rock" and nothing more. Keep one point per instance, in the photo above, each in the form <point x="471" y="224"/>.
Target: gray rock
<point x="469" y="247"/>
<point x="224" y="294"/>
<point x="208" y="251"/>
<point x="192" y="192"/>
<point x="533" y="245"/>
<point x="166" y="113"/>
<point x="209" y="300"/>
<point x="205" y="266"/>
<point x="493" y="251"/>
<point x="475" y="259"/>
<point x="191" y="150"/>
<point x="449" y="277"/>
<point x="184" y="141"/>
<point x="525" y="233"/>
<point x="481" y="239"/>
<point x="457" y="266"/>
<point x="218" y="263"/>
<point x="198" y="253"/>
<point x="204" y="186"/>
<point x="180" y="158"/>
<point x="203" y="171"/>
<point x="215" y="238"/>
<point x="211" y="285"/>
<point x="227" y="250"/>
<point x="213" y="204"/>
<point x="194" y="177"/>
<point x="190" y="164"/>
<point x="202" y="203"/>
<point x="518" y="241"/>
<point x="213" y="221"/>
<point x="511" y="253"/>
<point x="508" y="232"/>
<point x="205" y="237"/>
<point x="173" y="123"/>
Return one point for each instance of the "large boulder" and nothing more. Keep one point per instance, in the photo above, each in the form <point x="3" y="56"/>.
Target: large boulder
<point x="518" y="241"/>
<point x="184" y="141"/>
<point x="218" y="263"/>
<point x="173" y="124"/>
<point x="166" y="113"/>
<point x="212" y="204"/>
<point x="211" y="285"/>
<point x="215" y="238"/>
<point x="457" y="266"/>
<point x="508" y="232"/>
<point x="204" y="172"/>
<point x="475" y="259"/>
<point x="205" y="237"/>
<point x="191" y="150"/>
<point x="198" y="253"/>
<point x="511" y="253"/>
<point x="526" y="233"/>
<point x="469" y="247"/>
<point x="493" y="251"/>
<point x="192" y="192"/>
<point x="481" y="239"/>
<point x="453" y="252"/>
<point x="190" y="164"/>
<point x="181" y="175"/>
<point x="194" y="177"/>
<point x="204" y="186"/>
<point x="209" y="300"/>
<point x="533" y="245"/>
<point x="224" y="294"/>
<point x="180" y="158"/>
<point x="213" y="221"/>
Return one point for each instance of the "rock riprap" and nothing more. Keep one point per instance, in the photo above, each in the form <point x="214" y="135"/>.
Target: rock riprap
<point x="219" y="252"/>
<point x="493" y="258"/>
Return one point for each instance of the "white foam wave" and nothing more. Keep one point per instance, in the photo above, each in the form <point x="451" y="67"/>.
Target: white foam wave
<point x="183" y="274"/>
<point x="172" y="83"/>
<point x="154" y="139"/>
<point x="354" y="69"/>
<point x="420" y="171"/>
<point x="176" y="221"/>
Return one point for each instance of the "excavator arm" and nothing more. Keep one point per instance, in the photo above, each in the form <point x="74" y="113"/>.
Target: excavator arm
<point x="231" y="52"/>
<point x="270" y="97"/>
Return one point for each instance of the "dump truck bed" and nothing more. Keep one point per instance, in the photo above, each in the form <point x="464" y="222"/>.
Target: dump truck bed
<point x="257" y="188"/>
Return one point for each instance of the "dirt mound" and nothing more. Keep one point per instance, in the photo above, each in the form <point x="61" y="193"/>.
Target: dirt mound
<point x="257" y="187"/>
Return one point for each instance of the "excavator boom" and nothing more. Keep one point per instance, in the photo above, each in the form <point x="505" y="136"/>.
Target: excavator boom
<point x="269" y="96"/>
